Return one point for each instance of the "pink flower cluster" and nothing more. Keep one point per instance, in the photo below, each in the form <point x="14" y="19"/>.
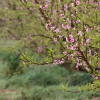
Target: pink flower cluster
<point x="57" y="30"/>
<point x="56" y="62"/>
<point x="66" y="26"/>
<point x="78" y="64"/>
<point x="55" y="39"/>
<point x="87" y="41"/>
<point x="71" y="39"/>
<point x="65" y="6"/>
<point x="77" y="2"/>
<point x="72" y="47"/>
<point x="44" y="7"/>
<point x="79" y="33"/>
<point x="70" y="57"/>
<point x="62" y="15"/>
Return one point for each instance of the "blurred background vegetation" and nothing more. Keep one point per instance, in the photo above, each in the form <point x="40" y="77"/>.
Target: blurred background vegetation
<point x="31" y="82"/>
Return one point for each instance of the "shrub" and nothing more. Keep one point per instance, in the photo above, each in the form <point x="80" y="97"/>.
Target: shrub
<point x="13" y="63"/>
<point x="80" y="78"/>
<point x="48" y="76"/>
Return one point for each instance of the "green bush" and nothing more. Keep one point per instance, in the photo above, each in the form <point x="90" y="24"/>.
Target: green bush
<point x="80" y="78"/>
<point x="13" y="63"/>
<point x="41" y="76"/>
<point x="47" y="76"/>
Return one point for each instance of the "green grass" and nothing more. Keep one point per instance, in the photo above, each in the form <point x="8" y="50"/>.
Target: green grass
<point x="48" y="76"/>
<point x="39" y="83"/>
<point x="54" y="93"/>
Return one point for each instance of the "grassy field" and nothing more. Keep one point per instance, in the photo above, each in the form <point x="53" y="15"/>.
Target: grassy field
<point x="30" y="85"/>
<point x="38" y="92"/>
<point x="21" y="86"/>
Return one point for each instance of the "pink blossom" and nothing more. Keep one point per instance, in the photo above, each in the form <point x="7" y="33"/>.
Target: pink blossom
<point x="55" y="39"/>
<point x="66" y="26"/>
<point x="72" y="4"/>
<point x="52" y="28"/>
<point x="74" y="28"/>
<point x="72" y="15"/>
<point x="65" y="6"/>
<point x="79" y="54"/>
<point x="48" y="25"/>
<point x="77" y="2"/>
<point x="44" y="7"/>
<point x="67" y="40"/>
<point x="78" y="64"/>
<point x="64" y="52"/>
<point x="87" y="30"/>
<point x="87" y="68"/>
<point x="57" y="30"/>
<point x="75" y="46"/>
<point x="87" y="41"/>
<point x="55" y="62"/>
<point x="68" y="21"/>
<point x="96" y="77"/>
<point x="77" y="67"/>
<point x="71" y="38"/>
<point x="79" y="33"/>
<point x="89" y="52"/>
<point x="60" y="61"/>
<point x="60" y="36"/>
<point x="71" y="47"/>
<point x="71" y="56"/>
<point x="59" y="1"/>
<point x="78" y="21"/>
<point x="67" y="47"/>
<point x="62" y="15"/>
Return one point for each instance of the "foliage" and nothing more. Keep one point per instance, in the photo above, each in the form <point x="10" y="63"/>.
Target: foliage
<point x="91" y="87"/>
<point x="13" y="63"/>
<point x="54" y="93"/>
<point x="30" y="89"/>
<point x="80" y="78"/>
<point x="74" y="27"/>
<point x="74" y="30"/>
<point x="41" y="76"/>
